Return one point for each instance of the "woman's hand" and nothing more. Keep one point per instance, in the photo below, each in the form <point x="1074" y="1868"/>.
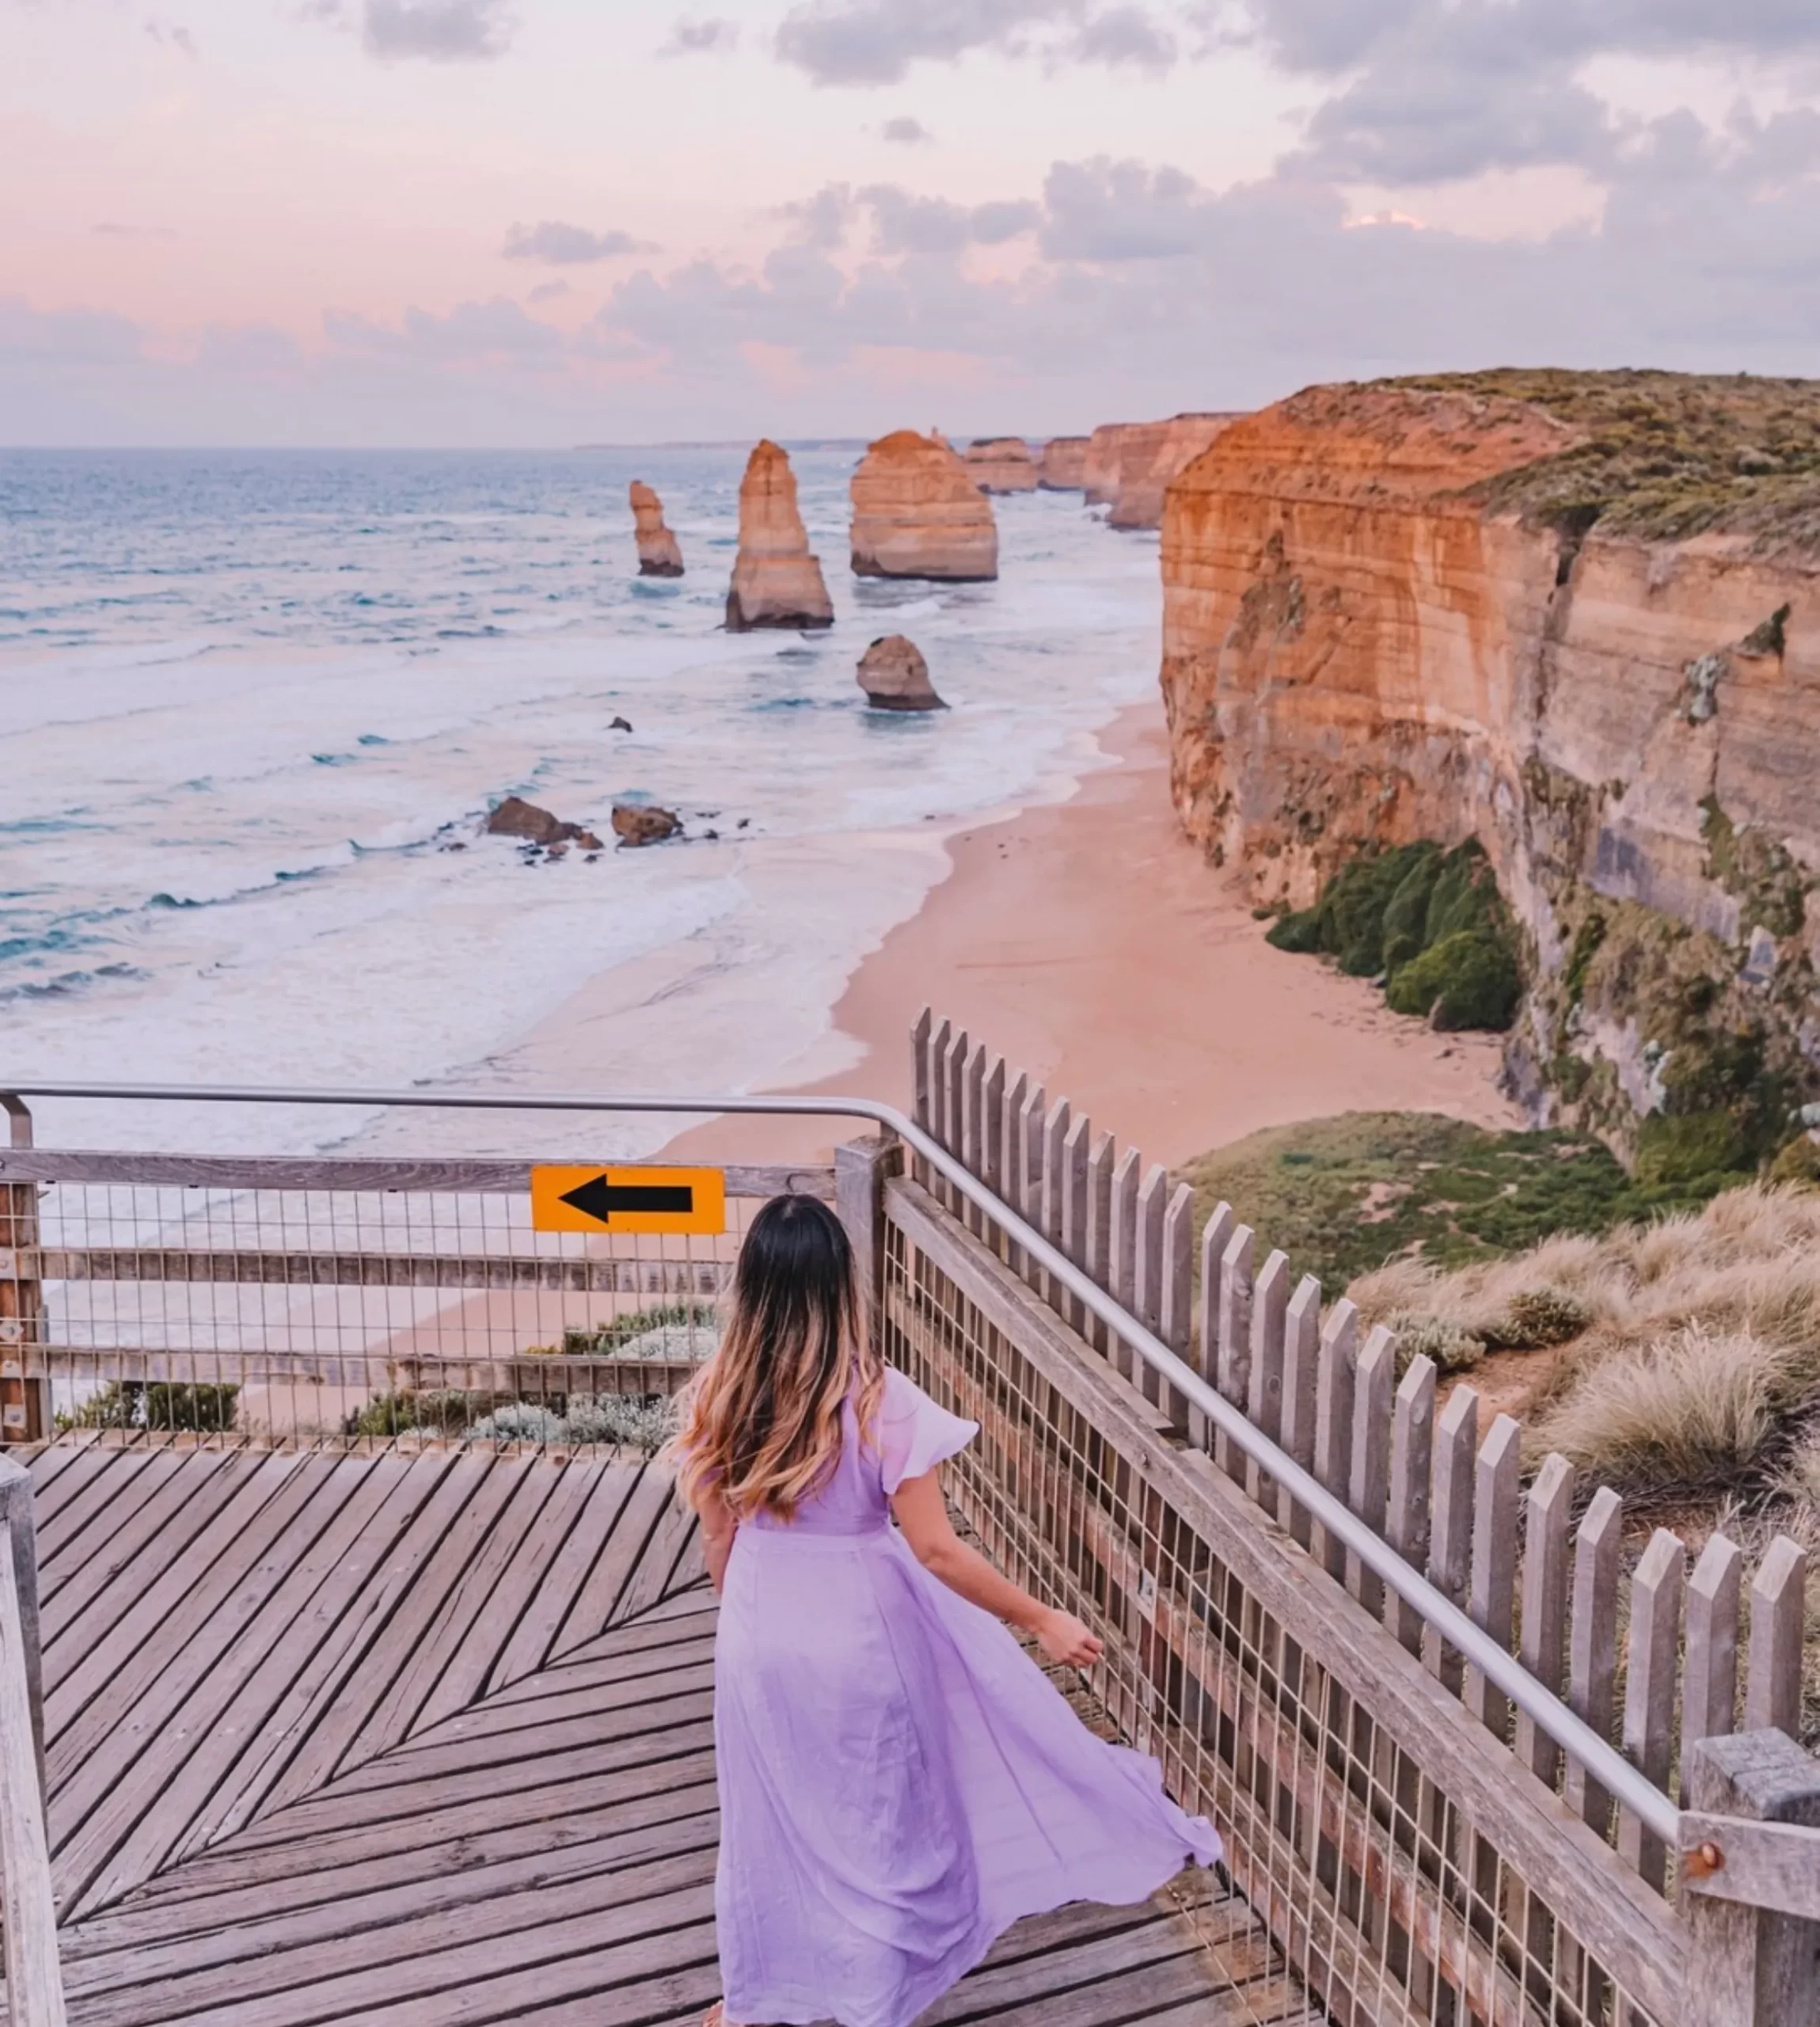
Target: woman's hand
<point x="1064" y="1638"/>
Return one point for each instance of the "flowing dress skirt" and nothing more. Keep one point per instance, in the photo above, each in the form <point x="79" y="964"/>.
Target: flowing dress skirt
<point x="899" y="1783"/>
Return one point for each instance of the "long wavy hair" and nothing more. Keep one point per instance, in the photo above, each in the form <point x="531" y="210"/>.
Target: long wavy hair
<point x="761" y="1422"/>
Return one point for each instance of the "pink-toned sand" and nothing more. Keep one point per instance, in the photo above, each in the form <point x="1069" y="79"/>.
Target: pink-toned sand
<point x="1093" y="946"/>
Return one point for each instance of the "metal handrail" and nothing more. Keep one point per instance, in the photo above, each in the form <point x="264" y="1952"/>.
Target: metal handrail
<point x="1656" y="1811"/>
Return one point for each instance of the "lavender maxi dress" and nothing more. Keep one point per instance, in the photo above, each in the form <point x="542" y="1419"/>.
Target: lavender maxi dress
<point x="898" y="1782"/>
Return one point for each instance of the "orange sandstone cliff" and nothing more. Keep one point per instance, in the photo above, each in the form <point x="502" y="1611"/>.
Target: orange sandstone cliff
<point x="1001" y="464"/>
<point x="1062" y="467"/>
<point x="1575" y="616"/>
<point x="1118" y="453"/>
<point x="917" y="513"/>
<point x="1138" y="502"/>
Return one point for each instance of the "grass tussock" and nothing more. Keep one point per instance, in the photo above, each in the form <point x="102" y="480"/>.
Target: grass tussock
<point x="1697" y="1367"/>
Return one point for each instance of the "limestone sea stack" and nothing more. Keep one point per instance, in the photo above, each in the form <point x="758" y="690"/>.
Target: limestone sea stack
<point x="660" y="554"/>
<point x="1140" y="501"/>
<point x="1118" y="453"/>
<point x="1062" y="467"/>
<point x="776" y="581"/>
<point x="895" y="678"/>
<point x="917" y="514"/>
<point x="1470" y="607"/>
<point x="1001" y="464"/>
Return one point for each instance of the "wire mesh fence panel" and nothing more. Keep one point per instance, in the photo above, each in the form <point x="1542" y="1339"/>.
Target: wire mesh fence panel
<point x="1404" y="1872"/>
<point x="342" y="1316"/>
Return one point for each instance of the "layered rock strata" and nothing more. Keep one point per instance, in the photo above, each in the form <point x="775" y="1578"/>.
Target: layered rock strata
<point x="1117" y="454"/>
<point x="776" y="582"/>
<point x="917" y="513"/>
<point x="1001" y="464"/>
<point x="1472" y="607"/>
<point x="1062" y="467"/>
<point x="1138" y="502"/>
<point x="895" y="676"/>
<point x="659" y="553"/>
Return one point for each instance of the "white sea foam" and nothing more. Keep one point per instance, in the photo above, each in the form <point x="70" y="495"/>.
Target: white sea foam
<point x="234" y="769"/>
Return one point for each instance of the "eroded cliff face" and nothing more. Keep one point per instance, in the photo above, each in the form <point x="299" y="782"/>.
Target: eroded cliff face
<point x="1362" y="648"/>
<point x="1001" y="464"/>
<point x="917" y="513"/>
<point x="1138" y="502"/>
<point x="1062" y="467"/>
<point x="1118" y="453"/>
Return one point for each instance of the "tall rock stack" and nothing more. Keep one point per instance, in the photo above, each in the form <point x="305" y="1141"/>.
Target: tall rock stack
<point x="1001" y="464"/>
<point x="1062" y="467"/>
<point x="660" y="554"/>
<point x="776" y="581"/>
<point x="917" y="514"/>
<point x="1117" y="454"/>
<point x="1139" y="504"/>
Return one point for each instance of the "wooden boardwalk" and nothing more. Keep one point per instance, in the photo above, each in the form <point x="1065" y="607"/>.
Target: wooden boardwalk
<point x="422" y="1739"/>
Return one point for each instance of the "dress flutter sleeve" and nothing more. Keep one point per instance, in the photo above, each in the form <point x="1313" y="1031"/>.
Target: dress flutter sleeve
<point x="915" y="1435"/>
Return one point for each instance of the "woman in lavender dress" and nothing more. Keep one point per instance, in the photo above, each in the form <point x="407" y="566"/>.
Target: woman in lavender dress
<point x="898" y="1782"/>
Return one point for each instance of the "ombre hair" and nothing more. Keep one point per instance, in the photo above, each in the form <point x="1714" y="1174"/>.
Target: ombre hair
<point x="762" y="1421"/>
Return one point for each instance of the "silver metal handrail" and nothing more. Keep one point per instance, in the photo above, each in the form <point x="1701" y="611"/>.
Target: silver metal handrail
<point x="1656" y="1811"/>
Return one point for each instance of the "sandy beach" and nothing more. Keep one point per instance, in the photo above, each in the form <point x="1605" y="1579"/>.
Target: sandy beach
<point x="1093" y="946"/>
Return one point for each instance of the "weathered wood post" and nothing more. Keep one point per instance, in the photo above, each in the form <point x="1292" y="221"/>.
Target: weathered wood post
<point x="1750" y="1883"/>
<point x="861" y="1170"/>
<point x="24" y="1400"/>
<point x="34" y="1979"/>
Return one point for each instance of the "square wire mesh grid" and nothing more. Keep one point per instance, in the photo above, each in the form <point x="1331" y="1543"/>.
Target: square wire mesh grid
<point x="1383" y="1899"/>
<point x="342" y="1317"/>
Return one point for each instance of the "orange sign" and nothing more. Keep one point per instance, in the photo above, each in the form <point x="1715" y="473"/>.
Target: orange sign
<point x="638" y="1201"/>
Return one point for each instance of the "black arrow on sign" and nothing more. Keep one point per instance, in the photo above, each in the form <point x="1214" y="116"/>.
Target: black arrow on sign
<point x="599" y="1199"/>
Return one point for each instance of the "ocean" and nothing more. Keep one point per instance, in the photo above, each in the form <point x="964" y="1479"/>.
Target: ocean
<point x="251" y="702"/>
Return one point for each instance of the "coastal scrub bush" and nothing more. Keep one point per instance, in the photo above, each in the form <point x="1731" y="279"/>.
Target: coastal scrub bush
<point x="520" y="1421"/>
<point x="156" y="1404"/>
<point x="1464" y="981"/>
<point x="1452" y="1346"/>
<point x="1686" y="1147"/>
<point x="639" y="1422"/>
<point x="408" y="1413"/>
<point x="697" y="1319"/>
<point x="1536" y="1319"/>
<point x="1429" y="923"/>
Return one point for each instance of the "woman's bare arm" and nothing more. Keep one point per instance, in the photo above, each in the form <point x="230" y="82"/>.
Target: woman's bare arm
<point x="718" y="1527"/>
<point x="922" y="1514"/>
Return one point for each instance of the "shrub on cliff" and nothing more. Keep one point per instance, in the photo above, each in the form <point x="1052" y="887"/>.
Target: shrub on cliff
<point x="1430" y="922"/>
<point x="1464" y="981"/>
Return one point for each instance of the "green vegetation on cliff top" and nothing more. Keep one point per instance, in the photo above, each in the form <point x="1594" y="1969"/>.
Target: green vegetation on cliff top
<point x="1661" y="454"/>
<point x="1342" y="1196"/>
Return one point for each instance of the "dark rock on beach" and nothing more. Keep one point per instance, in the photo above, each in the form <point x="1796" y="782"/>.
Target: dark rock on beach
<point x="635" y="824"/>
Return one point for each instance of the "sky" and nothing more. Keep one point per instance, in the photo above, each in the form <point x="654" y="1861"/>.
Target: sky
<point x="543" y="222"/>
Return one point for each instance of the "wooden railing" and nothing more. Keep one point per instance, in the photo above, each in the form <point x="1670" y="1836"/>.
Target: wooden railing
<point x="34" y="1978"/>
<point x="1272" y="1531"/>
<point x="1534" y="1555"/>
<point x="324" y="1302"/>
<point x="1415" y="1856"/>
